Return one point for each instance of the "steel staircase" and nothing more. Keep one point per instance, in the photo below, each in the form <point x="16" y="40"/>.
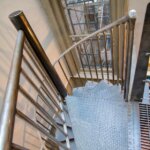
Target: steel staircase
<point x="76" y="103"/>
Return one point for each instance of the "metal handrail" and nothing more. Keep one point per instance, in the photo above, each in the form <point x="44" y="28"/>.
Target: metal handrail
<point x="121" y="34"/>
<point x="29" y="53"/>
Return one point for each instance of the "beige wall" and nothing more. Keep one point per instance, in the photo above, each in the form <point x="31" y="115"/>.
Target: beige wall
<point x="118" y="8"/>
<point x="140" y="7"/>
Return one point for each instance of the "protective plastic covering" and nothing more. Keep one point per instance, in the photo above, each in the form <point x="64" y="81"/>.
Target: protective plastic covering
<point x="99" y="117"/>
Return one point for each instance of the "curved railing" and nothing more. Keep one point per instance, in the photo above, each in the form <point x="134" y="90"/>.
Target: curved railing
<point x="104" y="54"/>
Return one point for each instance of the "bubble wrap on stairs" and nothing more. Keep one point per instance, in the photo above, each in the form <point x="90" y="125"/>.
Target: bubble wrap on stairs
<point x="99" y="118"/>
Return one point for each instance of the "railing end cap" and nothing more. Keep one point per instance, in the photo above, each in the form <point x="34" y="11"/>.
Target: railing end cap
<point x="15" y="13"/>
<point x="132" y="14"/>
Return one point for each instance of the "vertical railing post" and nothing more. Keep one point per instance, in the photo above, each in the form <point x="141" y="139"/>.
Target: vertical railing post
<point x="132" y="15"/>
<point x="9" y="106"/>
<point x="122" y="55"/>
<point x="112" y="53"/>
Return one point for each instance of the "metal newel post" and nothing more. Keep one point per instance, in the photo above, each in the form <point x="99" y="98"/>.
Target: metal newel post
<point x="10" y="98"/>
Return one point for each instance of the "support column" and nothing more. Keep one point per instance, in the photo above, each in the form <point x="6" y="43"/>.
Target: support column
<point x="142" y="62"/>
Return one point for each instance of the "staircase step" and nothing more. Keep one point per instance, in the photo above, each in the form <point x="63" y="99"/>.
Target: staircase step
<point x="60" y="137"/>
<point x="74" y="104"/>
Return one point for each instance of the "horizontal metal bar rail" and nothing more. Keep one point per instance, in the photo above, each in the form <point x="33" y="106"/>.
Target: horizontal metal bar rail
<point x="32" y="80"/>
<point x="104" y="54"/>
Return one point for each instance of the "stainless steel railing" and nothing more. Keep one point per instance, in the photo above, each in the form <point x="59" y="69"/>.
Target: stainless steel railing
<point x="31" y="86"/>
<point x="94" y="57"/>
